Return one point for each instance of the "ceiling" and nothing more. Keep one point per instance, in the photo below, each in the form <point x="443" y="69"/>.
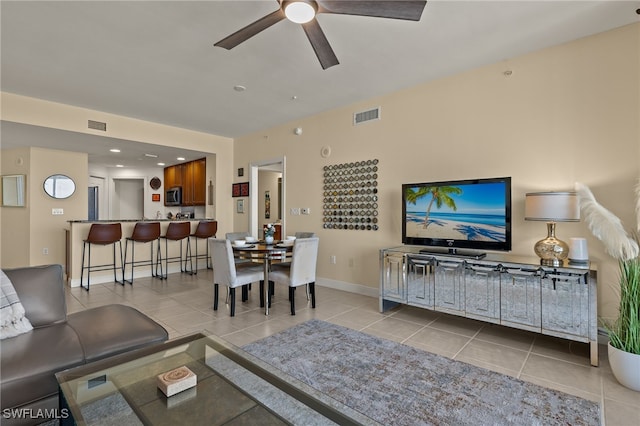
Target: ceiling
<point x="155" y="60"/>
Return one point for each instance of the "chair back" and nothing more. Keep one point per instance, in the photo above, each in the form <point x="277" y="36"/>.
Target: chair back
<point x="104" y="233"/>
<point x="144" y="232"/>
<point x="305" y="234"/>
<point x="303" y="261"/>
<point x="224" y="269"/>
<point x="206" y="229"/>
<point x="232" y="236"/>
<point x="178" y="230"/>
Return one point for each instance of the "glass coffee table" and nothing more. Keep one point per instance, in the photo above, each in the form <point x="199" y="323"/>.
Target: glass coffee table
<point x="233" y="388"/>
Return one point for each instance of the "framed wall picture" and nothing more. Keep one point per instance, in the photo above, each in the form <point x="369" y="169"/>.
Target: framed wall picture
<point x="244" y="189"/>
<point x="240" y="206"/>
<point x="267" y="205"/>
<point x="240" y="189"/>
<point x="155" y="197"/>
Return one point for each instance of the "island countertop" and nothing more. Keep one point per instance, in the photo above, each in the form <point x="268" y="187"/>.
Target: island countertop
<point x="77" y="231"/>
<point x="137" y="220"/>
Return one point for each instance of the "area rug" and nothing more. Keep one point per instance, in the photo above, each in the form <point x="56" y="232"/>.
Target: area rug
<point x="396" y="384"/>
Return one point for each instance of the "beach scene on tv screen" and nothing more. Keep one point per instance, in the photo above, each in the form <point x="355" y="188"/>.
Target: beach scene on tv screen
<point x="473" y="212"/>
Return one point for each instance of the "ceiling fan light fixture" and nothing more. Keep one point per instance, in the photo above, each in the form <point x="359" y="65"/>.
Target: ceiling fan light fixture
<point x="300" y="11"/>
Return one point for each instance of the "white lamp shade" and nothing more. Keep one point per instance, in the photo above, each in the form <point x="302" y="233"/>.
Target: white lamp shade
<point x="552" y="206"/>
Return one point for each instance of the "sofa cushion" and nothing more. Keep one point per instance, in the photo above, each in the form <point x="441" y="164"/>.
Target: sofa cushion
<point x="42" y="307"/>
<point x="113" y="329"/>
<point x="29" y="362"/>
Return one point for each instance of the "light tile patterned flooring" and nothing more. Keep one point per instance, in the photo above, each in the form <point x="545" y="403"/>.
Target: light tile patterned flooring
<point x="183" y="305"/>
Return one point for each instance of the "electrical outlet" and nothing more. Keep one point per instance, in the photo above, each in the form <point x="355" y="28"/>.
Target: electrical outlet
<point x="57" y="212"/>
<point x="295" y="211"/>
<point x="306" y="210"/>
<point x="332" y="260"/>
<point x="45" y="250"/>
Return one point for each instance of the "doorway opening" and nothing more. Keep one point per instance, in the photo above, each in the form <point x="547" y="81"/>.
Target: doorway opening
<point x="97" y="209"/>
<point x="267" y="188"/>
<point x="128" y="199"/>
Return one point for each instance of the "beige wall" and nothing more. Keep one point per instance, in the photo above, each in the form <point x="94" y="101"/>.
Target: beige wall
<point x="37" y="112"/>
<point x="28" y="231"/>
<point x="568" y="113"/>
<point x="14" y="221"/>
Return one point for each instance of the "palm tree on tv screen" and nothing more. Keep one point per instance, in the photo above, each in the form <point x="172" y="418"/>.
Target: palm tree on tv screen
<point x="439" y="194"/>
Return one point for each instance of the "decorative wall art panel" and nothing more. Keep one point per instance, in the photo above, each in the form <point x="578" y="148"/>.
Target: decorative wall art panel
<point x="350" y="196"/>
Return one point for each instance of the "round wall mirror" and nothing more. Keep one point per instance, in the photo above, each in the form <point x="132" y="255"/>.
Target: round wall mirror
<point x="59" y="186"/>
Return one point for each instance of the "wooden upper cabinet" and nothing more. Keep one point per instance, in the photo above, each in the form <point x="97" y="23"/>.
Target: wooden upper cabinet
<point x="194" y="191"/>
<point x="172" y="176"/>
<point x="192" y="177"/>
<point x="199" y="179"/>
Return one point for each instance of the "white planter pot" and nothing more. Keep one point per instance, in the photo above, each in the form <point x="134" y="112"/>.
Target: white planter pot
<point x="625" y="367"/>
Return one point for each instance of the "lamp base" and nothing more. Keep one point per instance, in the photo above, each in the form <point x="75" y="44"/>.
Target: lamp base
<point x="552" y="251"/>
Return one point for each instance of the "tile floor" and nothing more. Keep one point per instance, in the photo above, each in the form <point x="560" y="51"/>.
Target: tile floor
<point x="183" y="305"/>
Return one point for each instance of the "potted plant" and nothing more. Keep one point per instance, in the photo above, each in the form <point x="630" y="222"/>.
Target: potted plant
<point x="269" y="230"/>
<point x="624" y="333"/>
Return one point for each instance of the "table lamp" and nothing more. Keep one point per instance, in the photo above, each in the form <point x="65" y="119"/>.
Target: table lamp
<point x="552" y="207"/>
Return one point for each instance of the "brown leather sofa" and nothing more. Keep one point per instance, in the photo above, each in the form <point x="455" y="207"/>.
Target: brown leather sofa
<point x="59" y="341"/>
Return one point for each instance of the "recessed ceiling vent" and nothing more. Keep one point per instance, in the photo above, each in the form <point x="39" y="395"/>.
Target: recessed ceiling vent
<point x="97" y="125"/>
<point x="364" y="116"/>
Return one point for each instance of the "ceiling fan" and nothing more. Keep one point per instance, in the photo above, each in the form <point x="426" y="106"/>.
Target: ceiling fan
<point x="304" y="12"/>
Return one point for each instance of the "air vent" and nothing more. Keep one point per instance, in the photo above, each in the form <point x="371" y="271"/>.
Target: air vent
<point x="97" y="125"/>
<point x="364" y="116"/>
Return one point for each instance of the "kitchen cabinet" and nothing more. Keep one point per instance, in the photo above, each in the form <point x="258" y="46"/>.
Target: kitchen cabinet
<point x="194" y="183"/>
<point x="191" y="177"/>
<point x="172" y="176"/>
<point x="508" y="290"/>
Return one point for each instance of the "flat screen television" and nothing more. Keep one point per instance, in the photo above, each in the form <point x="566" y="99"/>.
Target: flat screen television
<point x="461" y="217"/>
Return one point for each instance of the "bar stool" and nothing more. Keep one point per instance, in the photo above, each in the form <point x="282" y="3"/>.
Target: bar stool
<point x="205" y="230"/>
<point x="176" y="231"/>
<point x="102" y="234"/>
<point x="143" y="232"/>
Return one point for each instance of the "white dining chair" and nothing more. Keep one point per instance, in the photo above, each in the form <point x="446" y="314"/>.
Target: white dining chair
<point x="232" y="236"/>
<point x="302" y="270"/>
<point x="303" y="234"/>
<point x="226" y="272"/>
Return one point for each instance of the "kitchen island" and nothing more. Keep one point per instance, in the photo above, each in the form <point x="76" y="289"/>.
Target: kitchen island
<point x="77" y="231"/>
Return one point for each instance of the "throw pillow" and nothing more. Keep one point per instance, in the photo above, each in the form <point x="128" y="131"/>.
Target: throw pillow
<point x="12" y="319"/>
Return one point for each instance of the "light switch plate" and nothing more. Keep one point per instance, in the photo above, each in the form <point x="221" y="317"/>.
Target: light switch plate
<point x="57" y="212"/>
<point x="306" y="210"/>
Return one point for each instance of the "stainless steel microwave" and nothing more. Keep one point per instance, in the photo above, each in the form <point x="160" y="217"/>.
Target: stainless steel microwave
<point x="173" y="196"/>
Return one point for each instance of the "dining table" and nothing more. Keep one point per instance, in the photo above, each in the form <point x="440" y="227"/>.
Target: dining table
<point x="267" y="254"/>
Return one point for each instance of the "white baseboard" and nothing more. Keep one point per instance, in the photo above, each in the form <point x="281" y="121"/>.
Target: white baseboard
<point x="345" y="286"/>
<point x="144" y="272"/>
<point x="108" y="277"/>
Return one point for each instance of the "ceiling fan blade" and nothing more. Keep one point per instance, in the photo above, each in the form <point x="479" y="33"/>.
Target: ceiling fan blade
<point x="395" y="9"/>
<point x="252" y="29"/>
<point x="320" y="44"/>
